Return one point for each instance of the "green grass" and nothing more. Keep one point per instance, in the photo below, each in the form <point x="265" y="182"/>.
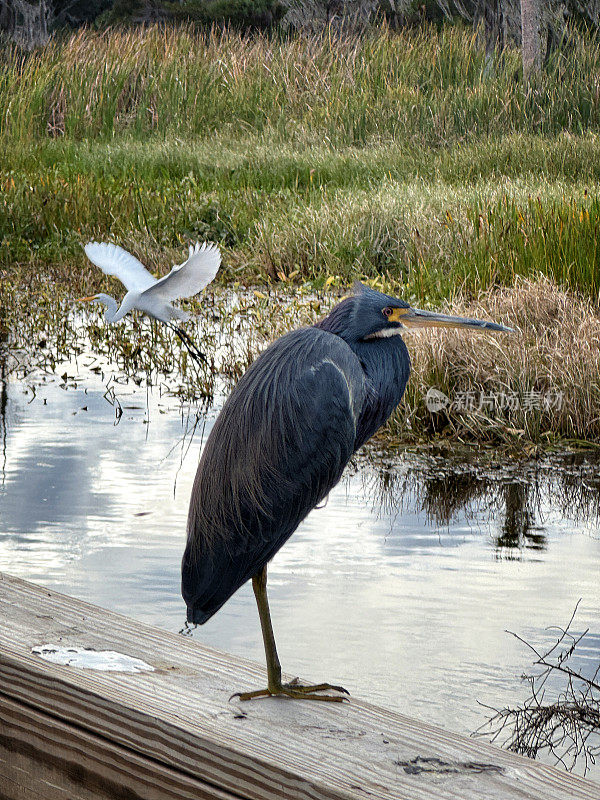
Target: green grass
<point x="394" y="155"/>
<point x="397" y="158"/>
<point x="409" y="216"/>
<point x="428" y="88"/>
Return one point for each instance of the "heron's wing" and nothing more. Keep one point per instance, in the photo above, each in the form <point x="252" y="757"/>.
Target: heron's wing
<point x="189" y="278"/>
<point x="279" y="445"/>
<point x="113" y="260"/>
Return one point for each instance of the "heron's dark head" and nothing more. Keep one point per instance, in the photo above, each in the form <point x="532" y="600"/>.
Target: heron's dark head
<point x="370" y="315"/>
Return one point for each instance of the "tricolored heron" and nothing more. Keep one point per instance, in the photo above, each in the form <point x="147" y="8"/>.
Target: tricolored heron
<point x="281" y="443"/>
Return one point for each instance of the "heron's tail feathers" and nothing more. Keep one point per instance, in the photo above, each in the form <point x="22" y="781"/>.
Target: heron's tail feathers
<point x="198" y="616"/>
<point x="206" y="583"/>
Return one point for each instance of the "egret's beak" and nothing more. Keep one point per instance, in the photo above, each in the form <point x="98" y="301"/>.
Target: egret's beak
<point x="417" y="318"/>
<point x="86" y="299"/>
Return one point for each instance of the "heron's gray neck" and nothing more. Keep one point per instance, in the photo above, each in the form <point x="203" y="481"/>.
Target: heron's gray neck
<point x="339" y="320"/>
<point x="386" y="366"/>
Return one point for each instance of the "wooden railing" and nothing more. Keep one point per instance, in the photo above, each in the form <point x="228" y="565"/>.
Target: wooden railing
<point x="74" y="733"/>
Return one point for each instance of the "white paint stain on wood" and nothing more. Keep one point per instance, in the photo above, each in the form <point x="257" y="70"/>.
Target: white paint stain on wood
<point x="87" y="658"/>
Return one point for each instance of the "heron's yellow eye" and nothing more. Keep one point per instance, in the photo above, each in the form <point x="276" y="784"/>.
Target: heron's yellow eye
<point x="387" y="312"/>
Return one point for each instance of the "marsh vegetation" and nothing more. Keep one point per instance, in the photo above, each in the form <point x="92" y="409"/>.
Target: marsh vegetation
<point x="409" y="160"/>
<point x="405" y="159"/>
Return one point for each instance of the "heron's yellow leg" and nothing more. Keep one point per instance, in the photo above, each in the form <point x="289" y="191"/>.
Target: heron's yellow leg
<point x="274" y="685"/>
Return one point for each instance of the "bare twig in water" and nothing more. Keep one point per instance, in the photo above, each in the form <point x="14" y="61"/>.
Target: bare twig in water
<point x="110" y="396"/>
<point x="566" y="727"/>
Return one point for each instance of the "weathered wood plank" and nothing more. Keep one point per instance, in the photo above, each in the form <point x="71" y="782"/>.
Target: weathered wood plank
<point x="43" y="757"/>
<point x="179" y="717"/>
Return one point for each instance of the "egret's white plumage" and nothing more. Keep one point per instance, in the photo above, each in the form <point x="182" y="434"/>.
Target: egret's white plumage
<point x="144" y="291"/>
<point x="113" y="260"/>
<point x="189" y="278"/>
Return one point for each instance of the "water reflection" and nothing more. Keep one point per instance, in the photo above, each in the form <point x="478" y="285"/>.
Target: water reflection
<point x="519" y="528"/>
<point x="3" y="404"/>
<point x="514" y="496"/>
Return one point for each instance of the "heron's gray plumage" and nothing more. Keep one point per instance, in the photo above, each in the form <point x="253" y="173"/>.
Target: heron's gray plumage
<point x="280" y="443"/>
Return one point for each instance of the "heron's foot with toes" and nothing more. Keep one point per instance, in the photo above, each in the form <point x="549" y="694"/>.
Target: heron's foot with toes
<point x="298" y="691"/>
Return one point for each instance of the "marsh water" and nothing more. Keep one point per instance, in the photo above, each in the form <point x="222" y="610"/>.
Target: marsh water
<point x="402" y="587"/>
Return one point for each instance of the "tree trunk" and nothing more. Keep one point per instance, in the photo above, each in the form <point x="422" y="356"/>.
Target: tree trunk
<point x="530" y="30"/>
<point x="25" y="21"/>
<point x="7" y="17"/>
<point x="494" y="31"/>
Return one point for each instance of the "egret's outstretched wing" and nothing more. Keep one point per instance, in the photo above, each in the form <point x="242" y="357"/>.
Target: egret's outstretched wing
<point x="189" y="278"/>
<point x="113" y="260"/>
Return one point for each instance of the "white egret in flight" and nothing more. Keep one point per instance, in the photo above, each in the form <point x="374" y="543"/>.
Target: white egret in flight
<point x="151" y="295"/>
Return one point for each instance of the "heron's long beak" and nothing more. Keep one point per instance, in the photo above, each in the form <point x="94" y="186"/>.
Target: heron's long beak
<point x="417" y="318"/>
<point x="85" y="299"/>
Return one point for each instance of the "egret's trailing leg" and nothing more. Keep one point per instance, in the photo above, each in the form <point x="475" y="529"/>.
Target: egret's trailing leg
<point x="190" y="346"/>
<point x="274" y="685"/>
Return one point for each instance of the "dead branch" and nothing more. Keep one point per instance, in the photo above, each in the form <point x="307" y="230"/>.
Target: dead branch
<point x="565" y="727"/>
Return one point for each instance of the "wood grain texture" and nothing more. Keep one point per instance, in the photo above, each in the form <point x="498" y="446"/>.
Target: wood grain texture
<point x="42" y="757"/>
<point x="179" y="718"/>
